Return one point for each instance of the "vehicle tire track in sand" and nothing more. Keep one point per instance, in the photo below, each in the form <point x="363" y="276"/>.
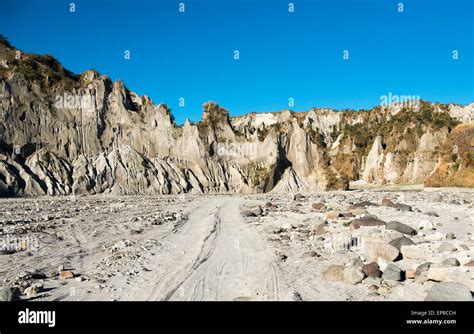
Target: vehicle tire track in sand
<point x="217" y="257"/>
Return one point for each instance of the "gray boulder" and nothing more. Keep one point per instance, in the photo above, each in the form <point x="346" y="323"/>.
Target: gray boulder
<point x="449" y="291"/>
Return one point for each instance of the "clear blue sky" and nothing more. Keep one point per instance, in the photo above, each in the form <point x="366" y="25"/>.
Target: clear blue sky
<point x="282" y="54"/>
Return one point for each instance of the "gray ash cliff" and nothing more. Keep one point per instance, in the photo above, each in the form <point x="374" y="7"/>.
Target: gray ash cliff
<point x="63" y="134"/>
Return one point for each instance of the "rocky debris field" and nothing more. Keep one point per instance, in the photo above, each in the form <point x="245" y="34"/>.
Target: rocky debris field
<point x="404" y="244"/>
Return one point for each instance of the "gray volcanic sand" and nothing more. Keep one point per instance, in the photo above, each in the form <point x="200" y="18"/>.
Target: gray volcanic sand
<point x="201" y="247"/>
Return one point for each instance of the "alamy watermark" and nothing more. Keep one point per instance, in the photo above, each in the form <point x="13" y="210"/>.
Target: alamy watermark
<point x="75" y="101"/>
<point x="405" y="101"/>
<point x="235" y="150"/>
<point x="342" y="242"/>
<point x="11" y="244"/>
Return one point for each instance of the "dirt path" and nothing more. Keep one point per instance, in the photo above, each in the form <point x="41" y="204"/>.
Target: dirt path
<point x="216" y="257"/>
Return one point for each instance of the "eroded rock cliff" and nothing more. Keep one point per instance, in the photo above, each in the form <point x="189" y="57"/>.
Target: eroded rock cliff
<point x="62" y="134"/>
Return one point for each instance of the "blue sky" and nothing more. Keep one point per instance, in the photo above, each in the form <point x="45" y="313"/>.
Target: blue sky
<point x="282" y="54"/>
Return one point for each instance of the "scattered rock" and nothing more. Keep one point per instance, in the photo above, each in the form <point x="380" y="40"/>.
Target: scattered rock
<point x="469" y="264"/>
<point x="353" y="275"/>
<point x="402" y="241"/>
<point x="31" y="291"/>
<point x="9" y="294"/>
<point x="257" y="210"/>
<point x="248" y="213"/>
<point x="374" y="250"/>
<point x="358" y="212"/>
<point x="371" y="270"/>
<point x="439" y="272"/>
<point x="286" y="226"/>
<point x="423" y="268"/>
<point x="402" y="207"/>
<point x="366" y="221"/>
<point x="297" y="197"/>
<point x="387" y="202"/>
<point x="450" y="236"/>
<point x="434" y="236"/>
<point x="334" y="273"/>
<point x="122" y="244"/>
<point x="373" y="288"/>
<point x="432" y="214"/>
<point x="393" y="273"/>
<point x="66" y="275"/>
<point x="364" y="204"/>
<point x="311" y="254"/>
<point x="425" y="225"/>
<point x="411" y="274"/>
<point x="449" y="291"/>
<point x="399" y="227"/>
<point x="446" y="247"/>
<point x="438" y="198"/>
<point x="320" y="229"/>
<point x="332" y="215"/>
<point x="412" y="252"/>
<point x="319" y="206"/>
<point x="382" y="263"/>
<point x="451" y="262"/>
<point x="272" y="229"/>
<point x="358" y="263"/>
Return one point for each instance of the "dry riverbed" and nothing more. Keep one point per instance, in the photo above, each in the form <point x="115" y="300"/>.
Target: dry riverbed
<point x="402" y="244"/>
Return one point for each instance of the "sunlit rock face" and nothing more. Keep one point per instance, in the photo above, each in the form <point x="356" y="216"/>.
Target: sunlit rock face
<point x="63" y="134"/>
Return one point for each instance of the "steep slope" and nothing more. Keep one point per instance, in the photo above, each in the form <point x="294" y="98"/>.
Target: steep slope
<point x="456" y="163"/>
<point x="62" y="134"/>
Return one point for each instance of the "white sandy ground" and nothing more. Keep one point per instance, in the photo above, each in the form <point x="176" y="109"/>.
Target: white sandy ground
<point x="210" y="252"/>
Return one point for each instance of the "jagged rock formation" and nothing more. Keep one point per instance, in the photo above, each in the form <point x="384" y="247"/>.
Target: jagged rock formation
<point x="62" y="134"/>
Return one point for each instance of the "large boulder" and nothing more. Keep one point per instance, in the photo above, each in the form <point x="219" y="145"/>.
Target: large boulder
<point x="449" y="291"/>
<point x="374" y="250"/>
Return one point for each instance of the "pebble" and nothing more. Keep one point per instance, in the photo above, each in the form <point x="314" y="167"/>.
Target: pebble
<point x="423" y="268"/>
<point x="320" y="229"/>
<point x="66" y="275"/>
<point x="432" y="214"/>
<point x="402" y="207"/>
<point x="387" y="202"/>
<point x="451" y="262"/>
<point x="425" y="225"/>
<point x="332" y="215"/>
<point x="450" y="236"/>
<point x="469" y="264"/>
<point x="31" y="291"/>
<point x="286" y="226"/>
<point x="248" y="213"/>
<point x="297" y="197"/>
<point x="319" y="206"/>
<point x="446" y="247"/>
<point x="411" y="274"/>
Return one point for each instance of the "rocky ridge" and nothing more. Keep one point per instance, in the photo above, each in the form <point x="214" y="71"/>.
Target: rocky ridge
<point x="63" y="134"/>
